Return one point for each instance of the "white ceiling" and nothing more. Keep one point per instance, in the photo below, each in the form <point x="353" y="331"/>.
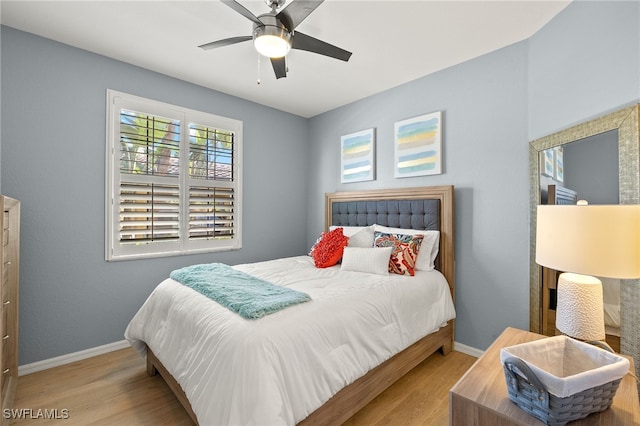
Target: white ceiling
<point x="393" y="42"/>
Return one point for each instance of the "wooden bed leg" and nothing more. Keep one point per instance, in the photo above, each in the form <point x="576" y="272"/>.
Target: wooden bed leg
<point x="447" y="345"/>
<point x="446" y="348"/>
<point x="151" y="368"/>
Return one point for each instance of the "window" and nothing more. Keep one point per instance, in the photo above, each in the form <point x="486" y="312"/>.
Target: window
<point x="173" y="180"/>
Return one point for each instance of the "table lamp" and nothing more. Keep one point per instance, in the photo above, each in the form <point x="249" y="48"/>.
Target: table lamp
<point x="583" y="242"/>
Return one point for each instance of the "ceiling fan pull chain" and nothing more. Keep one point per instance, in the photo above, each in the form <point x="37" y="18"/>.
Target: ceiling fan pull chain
<point x="259" y="69"/>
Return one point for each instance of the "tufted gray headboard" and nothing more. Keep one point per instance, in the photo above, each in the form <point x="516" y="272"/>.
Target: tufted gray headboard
<point x="406" y="214"/>
<point x="428" y="208"/>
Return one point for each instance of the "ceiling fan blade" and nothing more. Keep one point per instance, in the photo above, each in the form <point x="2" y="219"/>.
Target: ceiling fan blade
<point x="279" y="67"/>
<point x="225" y="42"/>
<point x="302" y="41"/>
<point x="242" y="10"/>
<point x="296" y="12"/>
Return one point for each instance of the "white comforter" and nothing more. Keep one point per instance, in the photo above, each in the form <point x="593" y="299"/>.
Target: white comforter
<point x="280" y="368"/>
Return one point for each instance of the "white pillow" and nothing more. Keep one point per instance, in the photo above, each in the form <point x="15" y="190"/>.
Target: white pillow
<point x="359" y="236"/>
<point x="363" y="238"/>
<point x="373" y="260"/>
<point x="428" y="249"/>
<point x="348" y="231"/>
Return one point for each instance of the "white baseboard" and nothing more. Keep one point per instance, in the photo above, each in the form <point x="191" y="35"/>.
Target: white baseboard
<point x="110" y="347"/>
<point x="467" y="349"/>
<point x="72" y="357"/>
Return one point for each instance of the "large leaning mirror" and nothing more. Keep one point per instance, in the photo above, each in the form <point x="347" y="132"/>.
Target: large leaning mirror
<point x="625" y="124"/>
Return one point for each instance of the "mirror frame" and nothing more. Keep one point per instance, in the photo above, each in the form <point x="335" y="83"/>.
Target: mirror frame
<point x="626" y="122"/>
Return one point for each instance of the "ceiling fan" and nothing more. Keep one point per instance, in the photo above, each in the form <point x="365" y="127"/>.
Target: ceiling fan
<point x="274" y="33"/>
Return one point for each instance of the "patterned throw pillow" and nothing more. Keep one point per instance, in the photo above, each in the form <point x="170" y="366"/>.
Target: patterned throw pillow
<point x="405" y="251"/>
<point x="328" y="251"/>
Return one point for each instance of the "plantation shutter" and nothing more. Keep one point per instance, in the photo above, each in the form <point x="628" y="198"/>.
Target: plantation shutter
<point x="149" y="154"/>
<point x="173" y="181"/>
<point x="211" y="189"/>
<point x="149" y="213"/>
<point x="210" y="212"/>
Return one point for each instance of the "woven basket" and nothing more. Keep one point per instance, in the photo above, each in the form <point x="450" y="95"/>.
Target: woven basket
<point x="531" y="396"/>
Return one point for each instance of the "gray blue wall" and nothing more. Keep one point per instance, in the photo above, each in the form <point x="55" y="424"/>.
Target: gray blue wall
<point x="582" y="64"/>
<point x="485" y="157"/>
<point x="53" y="160"/>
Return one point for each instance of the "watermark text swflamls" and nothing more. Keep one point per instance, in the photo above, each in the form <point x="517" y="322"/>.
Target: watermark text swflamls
<point x="36" y="414"/>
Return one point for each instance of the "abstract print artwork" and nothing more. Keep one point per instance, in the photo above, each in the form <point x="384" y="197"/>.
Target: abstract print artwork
<point x="418" y="146"/>
<point x="357" y="155"/>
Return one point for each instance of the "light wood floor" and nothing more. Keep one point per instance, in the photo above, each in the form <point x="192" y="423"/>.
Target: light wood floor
<point x="114" y="389"/>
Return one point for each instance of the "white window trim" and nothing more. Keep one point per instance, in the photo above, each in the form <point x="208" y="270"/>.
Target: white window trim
<point x="113" y="250"/>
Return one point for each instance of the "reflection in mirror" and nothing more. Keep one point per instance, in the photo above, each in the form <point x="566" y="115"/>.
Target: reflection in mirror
<point x="591" y="168"/>
<point x="586" y="169"/>
<point x="588" y="166"/>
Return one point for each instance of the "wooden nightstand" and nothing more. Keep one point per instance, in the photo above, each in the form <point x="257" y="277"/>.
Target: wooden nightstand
<point x="480" y="396"/>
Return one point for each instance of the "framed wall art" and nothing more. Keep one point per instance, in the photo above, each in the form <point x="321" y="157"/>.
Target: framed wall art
<point x="418" y="146"/>
<point x="357" y="156"/>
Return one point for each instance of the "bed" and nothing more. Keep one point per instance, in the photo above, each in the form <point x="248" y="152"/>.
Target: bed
<point x="303" y="373"/>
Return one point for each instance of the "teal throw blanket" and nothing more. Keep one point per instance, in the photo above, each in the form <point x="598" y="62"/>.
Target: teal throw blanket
<point x="242" y="293"/>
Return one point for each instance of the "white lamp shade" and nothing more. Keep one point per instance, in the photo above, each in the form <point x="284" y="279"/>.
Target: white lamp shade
<point x="580" y="310"/>
<point x="600" y="240"/>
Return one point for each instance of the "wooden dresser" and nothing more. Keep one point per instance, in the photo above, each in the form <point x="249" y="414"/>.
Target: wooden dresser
<point x="10" y="255"/>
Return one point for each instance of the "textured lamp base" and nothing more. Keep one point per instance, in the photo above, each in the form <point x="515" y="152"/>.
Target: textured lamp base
<point x="580" y="310"/>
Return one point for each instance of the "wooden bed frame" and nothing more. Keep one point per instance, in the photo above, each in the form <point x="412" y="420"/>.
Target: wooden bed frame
<point x="358" y="394"/>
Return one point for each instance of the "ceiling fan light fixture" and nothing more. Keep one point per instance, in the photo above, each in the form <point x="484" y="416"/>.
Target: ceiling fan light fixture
<point x="273" y="33"/>
<point x="272" y="41"/>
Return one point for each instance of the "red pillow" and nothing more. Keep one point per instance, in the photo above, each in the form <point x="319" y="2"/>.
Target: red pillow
<point x="329" y="249"/>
